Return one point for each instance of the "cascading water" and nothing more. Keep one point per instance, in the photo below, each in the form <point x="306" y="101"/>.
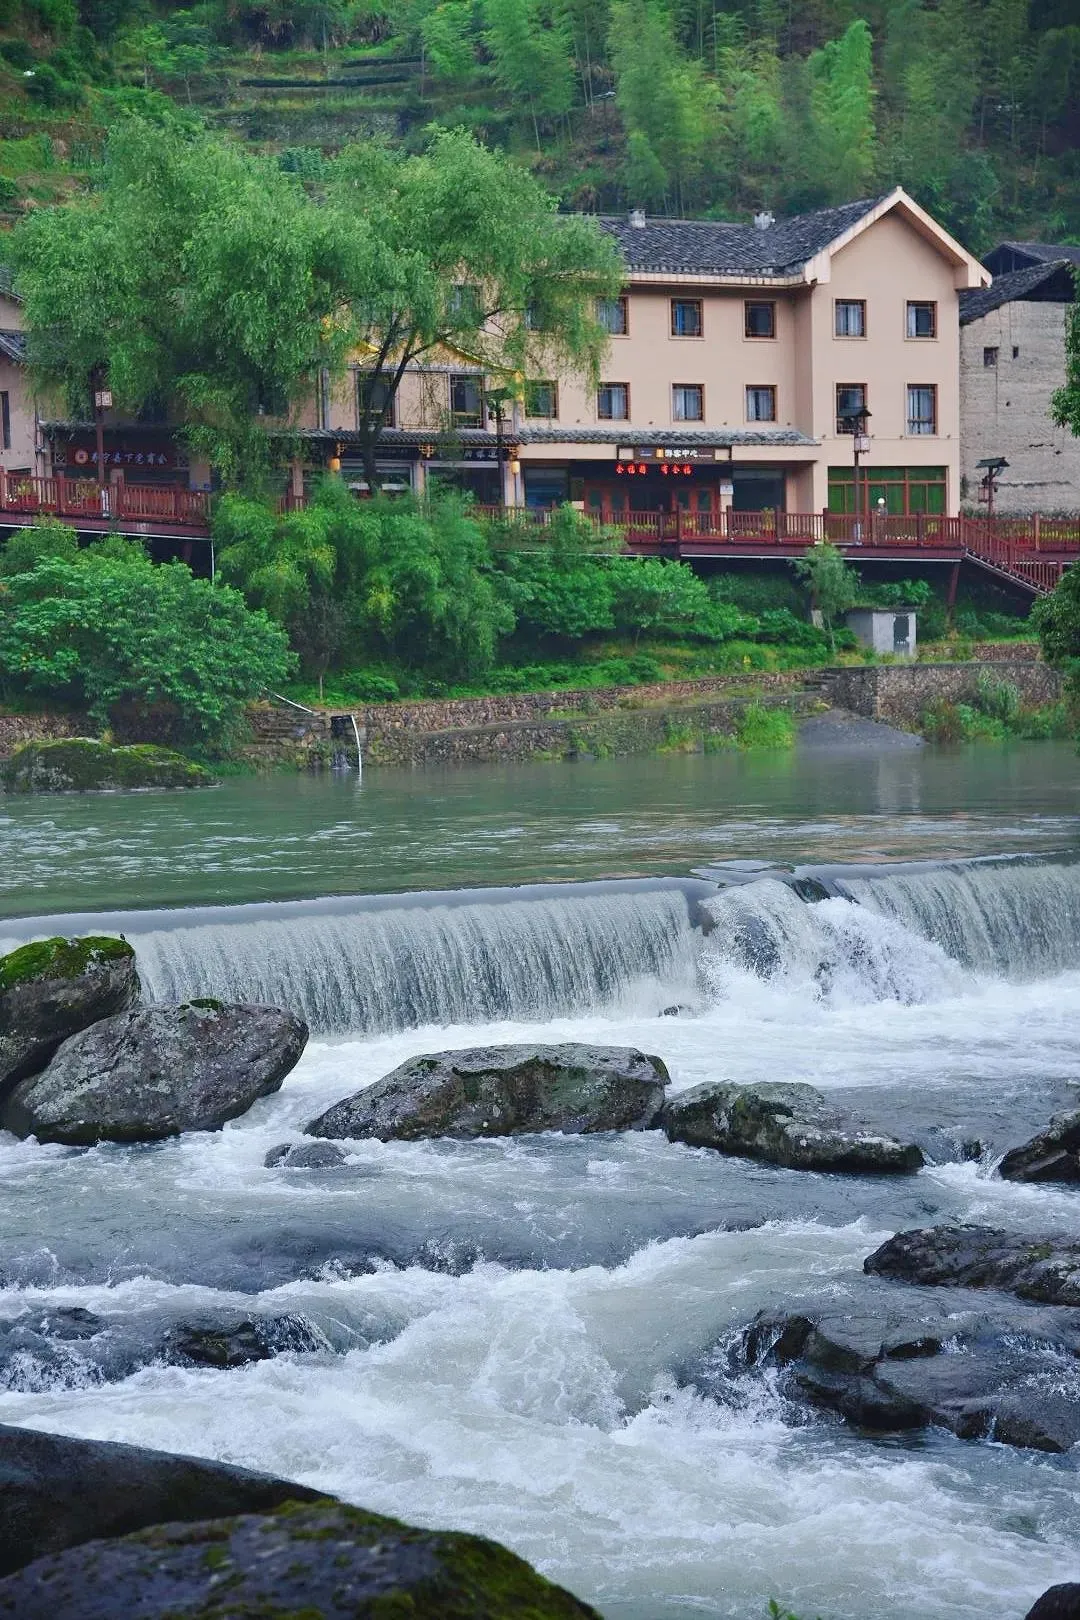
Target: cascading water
<point x="494" y="1335"/>
<point x="1019" y="918"/>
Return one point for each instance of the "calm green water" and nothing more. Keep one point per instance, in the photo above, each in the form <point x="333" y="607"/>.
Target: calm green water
<point x="291" y="837"/>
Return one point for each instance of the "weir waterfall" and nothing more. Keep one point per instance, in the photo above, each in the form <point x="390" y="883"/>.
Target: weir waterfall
<point x="532" y="1337"/>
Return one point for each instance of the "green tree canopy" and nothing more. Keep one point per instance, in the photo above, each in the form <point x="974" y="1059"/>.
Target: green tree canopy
<point x="474" y="259"/>
<point x="194" y="276"/>
<point x="105" y="626"/>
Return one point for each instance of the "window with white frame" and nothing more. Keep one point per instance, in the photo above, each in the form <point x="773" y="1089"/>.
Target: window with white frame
<point x="466" y="400"/>
<point x="613" y="402"/>
<point x="921" y="319"/>
<point x="922" y="408"/>
<point x="613" y="315"/>
<point x="688" y="402"/>
<point x="850" y="315"/>
<point x="761" y="403"/>
<point x="542" y="399"/>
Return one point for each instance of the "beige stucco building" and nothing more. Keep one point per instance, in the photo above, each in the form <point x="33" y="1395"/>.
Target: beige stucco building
<point x="739" y="357"/>
<point x="1012" y="358"/>
<point x="17" y="420"/>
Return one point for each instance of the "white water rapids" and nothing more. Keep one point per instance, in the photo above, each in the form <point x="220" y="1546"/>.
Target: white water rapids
<point x="503" y="1328"/>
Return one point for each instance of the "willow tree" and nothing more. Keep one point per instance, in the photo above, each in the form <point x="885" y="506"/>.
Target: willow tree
<point x="197" y="279"/>
<point x="475" y="262"/>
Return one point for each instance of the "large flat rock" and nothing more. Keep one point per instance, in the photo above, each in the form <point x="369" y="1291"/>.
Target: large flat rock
<point x="155" y="1072"/>
<point x="57" y="1492"/>
<point x="1042" y="1268"/>
<point x="791" y="1125"/>
<point x="323" y="1560"/>
<point x="504" y="1090"/>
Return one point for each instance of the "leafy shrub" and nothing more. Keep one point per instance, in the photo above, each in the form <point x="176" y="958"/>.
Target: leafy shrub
<point x="762" y="727"/>
<point x="18" y="54"/>
<point x="997" y="698"/>
<point x="9" y="191"/>
<point x="758" y="593"/>
<point x="107" y="627"/>
<point x="51" y="90"/>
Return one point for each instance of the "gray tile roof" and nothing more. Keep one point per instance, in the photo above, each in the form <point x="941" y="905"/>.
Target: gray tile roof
<point x="623" y="433"/>
<point x="13" y="346"/>
<point x="1044" y="252"/>
<point x="1014" y="287"/>
<point x="717" y="247"/>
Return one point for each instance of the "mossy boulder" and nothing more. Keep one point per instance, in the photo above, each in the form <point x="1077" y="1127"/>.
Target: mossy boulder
<point x="1053" y="1155"/>
<point x="787" y="1124"/>
<point x="53" y="988"/>
<point x="85" y="765"/>
<point x="504" y="1091"/>
<point x="153" y="1072"/>
<point x="1044" y="1268"/>
<point x="300" y="1562"/>
<point x="58" y="1492"/>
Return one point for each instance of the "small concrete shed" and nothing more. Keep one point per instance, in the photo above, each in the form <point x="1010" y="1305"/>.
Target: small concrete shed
<point x="885" y="630"/>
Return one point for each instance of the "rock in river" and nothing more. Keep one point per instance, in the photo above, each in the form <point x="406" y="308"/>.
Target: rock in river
<point x="85" y="765"/>
<point x="326" y="1559"/>
<point x="1057" y="1603"/>
<point x="1053" y="1155"/>
<point x="1002" y="1371"/>
<point x="157" y="1071"/>
<point x="1042" y="1268"/>
<point x="53" y="988"/>
<point x="57" y="1492"/>
<point x="503" y="1090"/>
<point x="791" y="1125"/>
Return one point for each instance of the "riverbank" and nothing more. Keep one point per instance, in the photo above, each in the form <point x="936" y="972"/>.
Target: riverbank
<point x="1003" y="690"/>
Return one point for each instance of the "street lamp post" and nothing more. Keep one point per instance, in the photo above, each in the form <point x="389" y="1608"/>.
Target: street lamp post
<point x="994" y="466"/>
<point x="858" y="416"/>
<point x="102" y="402"/>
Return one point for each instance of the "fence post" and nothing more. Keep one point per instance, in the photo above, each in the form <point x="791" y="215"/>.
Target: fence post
<point x="1038" y="537"/>
<point x="3" y="488"/>
<point x="920" y="528"/>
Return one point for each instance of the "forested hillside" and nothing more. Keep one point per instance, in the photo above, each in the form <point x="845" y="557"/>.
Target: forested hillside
<point x="679" y="106"/>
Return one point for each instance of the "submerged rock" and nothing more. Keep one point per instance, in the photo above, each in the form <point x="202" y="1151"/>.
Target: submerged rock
<point x="1044" y="1268"/>
<point x="71" y="1348"/>
<point x="1057" y="1603"/>
<point x="305" y="1156"/>
<point x="1007" y="1373"/>
<point x="324" y="1560"/>
<point x="503" y="1090"/>
<point x="791" y="1125"/>
<point x="1053" y="1155"/>
<point x="85" y="765"/>
<point x="57" y="1492"/>
<point x="157" y="1071"/>
<point x="52" y="988"/>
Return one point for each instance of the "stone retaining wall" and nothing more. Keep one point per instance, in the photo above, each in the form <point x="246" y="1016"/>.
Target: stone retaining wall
<point x="681" y="728"/>
<point x="899" y="693"/>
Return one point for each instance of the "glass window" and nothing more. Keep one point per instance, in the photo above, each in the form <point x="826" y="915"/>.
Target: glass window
<point x="850" y="398"/>
<point x="922" y="408"/>
<point x="851" y="317"/>
<point x="921" y="320"/>
<point x="686" y="317"/>
<point x="5" y="420"/>
<point x="463" y="305"/>
<point x="541" y="399"/>
<point x="688" y="402"/>
<point x="990" y="357"/>
<point x="760" y="319"/>
<point x="613" y="402"/>
<point x="761" y="404"/>
<point x="466" y="401"/>
<point x="373" y="398"/>
<point x="614" y="315"/>
<point x="906" y="491"/>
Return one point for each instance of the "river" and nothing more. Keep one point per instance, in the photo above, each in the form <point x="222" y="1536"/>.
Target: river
<point x="501" y="1336"/>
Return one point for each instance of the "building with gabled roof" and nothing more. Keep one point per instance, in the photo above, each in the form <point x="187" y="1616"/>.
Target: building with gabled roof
<point x="1012" y="359"/>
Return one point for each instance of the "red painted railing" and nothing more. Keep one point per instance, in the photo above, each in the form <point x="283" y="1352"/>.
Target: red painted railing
<point x="81" y="498"/>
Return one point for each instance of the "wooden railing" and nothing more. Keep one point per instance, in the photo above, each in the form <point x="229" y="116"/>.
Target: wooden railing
<point x="118" y="503"/>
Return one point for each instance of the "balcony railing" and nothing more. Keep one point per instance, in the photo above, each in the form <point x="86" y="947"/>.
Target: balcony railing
<point x="120" y="503"/>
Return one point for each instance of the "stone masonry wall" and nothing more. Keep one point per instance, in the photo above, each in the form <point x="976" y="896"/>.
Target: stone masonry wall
<point x="898" y="693"/>
<point x="1005" y="409"/>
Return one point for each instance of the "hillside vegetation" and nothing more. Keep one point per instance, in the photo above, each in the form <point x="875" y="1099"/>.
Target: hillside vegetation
<point x="675" y="105"/>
